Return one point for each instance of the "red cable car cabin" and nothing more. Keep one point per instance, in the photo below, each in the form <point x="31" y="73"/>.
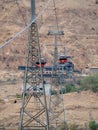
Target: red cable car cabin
<point x="62" y="59"/>
<point x="43" y="62"/>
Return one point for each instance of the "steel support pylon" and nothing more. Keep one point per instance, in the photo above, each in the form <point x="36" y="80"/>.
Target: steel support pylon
<point x="56" y="102"/>
<point x="34" y="113"/>
<point x="34" y="107"/>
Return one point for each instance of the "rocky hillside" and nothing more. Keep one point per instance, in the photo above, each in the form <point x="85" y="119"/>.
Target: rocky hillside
<point x="78" y="18"/>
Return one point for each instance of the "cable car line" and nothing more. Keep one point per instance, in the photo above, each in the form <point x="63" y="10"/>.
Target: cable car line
<point x="25" y="28"/>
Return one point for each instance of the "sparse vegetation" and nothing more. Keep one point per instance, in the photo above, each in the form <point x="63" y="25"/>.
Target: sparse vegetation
<point x="67" y="89"/>
<point x="53" y="92"/>
<point x="70" y="88"/>
<point x="73" y="126"/>
<point x="90" y="83"/>
<point x="1" y="100"/>
<point x="93" y="125"/>
<point x="18" y="95"/>
<point x="64" y="126"/>
<point x="87" y="83"/>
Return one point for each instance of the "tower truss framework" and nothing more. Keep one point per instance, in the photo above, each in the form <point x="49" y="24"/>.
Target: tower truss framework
<point x="33" y="113"/>
<point x="56" y="101"/>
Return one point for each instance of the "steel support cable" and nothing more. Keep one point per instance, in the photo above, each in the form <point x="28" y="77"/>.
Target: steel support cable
<point x="25" y="28"/>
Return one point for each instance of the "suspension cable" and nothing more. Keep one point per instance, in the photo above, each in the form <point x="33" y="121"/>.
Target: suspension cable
<point x="25" y="28"/>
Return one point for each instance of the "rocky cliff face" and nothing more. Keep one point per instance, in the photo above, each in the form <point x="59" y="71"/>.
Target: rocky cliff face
<point x="79" y="19"/>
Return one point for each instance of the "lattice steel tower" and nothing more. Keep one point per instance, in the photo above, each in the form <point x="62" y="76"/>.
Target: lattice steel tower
<point x="56" y="102"/>
<point x="34" y="114"/>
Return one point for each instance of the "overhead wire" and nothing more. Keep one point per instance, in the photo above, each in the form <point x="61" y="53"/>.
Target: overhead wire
<point x="25" y="28"/>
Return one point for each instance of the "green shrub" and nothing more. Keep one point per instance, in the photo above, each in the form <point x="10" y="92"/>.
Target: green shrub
<point x="70" y="88"/>
<point x="63" y="91"/>
<point x="95" y="88"/>
<point x="64" y="126"/>
<point x="18" y="95"/>
<point x="53" y="92"/>
<point x="93" y="125"/>
<point x="87" y="83"/>
<point x="73" y="127"/>
<point x="90" y="83"/>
